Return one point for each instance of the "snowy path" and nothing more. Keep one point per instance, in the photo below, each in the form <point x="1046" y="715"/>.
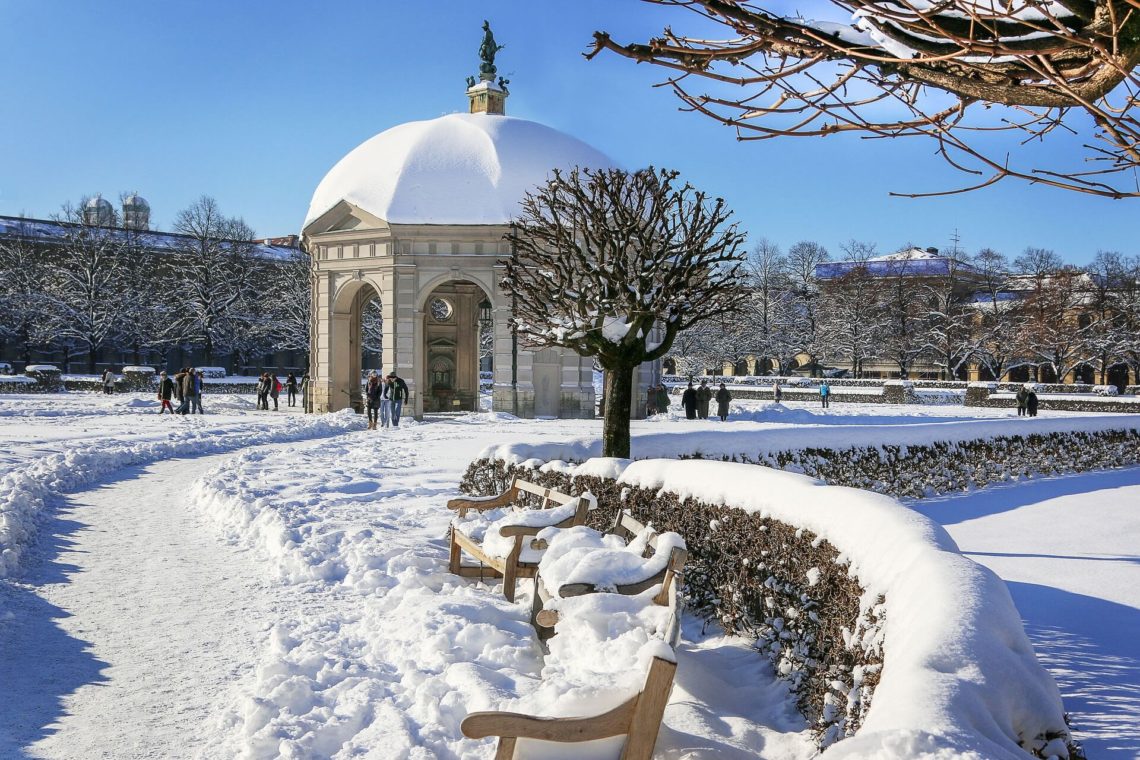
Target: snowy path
<point x="135" y="622"/>
<point x="1068" y="549"/>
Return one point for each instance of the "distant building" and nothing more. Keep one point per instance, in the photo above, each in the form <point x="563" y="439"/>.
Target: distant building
<point x="132" y="223"/>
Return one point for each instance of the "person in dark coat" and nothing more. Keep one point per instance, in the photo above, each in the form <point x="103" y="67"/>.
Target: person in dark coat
<point x="1031" y="402"/>
<point x="398" y="394"/>
<point x="373" y="394"/>
<point x="1022" y="397"/>
<point x="165" y="393"/>
<point x="722" y="399"/>
<point x="704" y="396"/>
<point x="689" y="401"/>
<point x="189" y="392"/>
<point x="662" y="399"/>
<point x="777" y="393"/>
<point x="291" y="386"/>
<point x="108" y="381"/>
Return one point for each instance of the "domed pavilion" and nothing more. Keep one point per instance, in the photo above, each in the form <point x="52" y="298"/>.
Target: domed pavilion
<point x="419" y="216"/>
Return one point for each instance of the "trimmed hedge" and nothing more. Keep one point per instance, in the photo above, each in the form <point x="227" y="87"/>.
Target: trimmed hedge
<point x="789" y="589"/>
<point x="758" y="577"/>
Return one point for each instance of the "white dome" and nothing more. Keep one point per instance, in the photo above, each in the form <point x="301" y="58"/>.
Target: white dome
<point x="98" y="203"/>
<point x="457" y="169"/>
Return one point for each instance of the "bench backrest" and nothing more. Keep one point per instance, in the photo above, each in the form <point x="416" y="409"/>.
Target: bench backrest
<point x="548" y="497"/>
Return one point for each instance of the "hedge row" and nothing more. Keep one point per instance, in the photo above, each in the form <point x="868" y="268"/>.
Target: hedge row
<point x="751" y="574"/>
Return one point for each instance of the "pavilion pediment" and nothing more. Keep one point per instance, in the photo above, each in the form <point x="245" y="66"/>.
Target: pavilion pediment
<point x="345" y="217"/>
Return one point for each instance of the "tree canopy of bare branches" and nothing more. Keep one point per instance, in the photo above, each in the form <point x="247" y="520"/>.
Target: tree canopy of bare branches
<point x="894" y="68"/>
<point x="613" y="264"/>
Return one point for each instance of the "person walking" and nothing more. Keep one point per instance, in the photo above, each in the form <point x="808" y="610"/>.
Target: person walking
<point x="263" y="391"/>
<point x="274" y="391"/>
<point x="372" y="395"/>
<point x="777" y="393"/>
<point x="108" y="381"/>
<point x="704" y="396"/>
<point x="662" y="399"/>
<point x="651" y="401"/>
<point x="291" y="387"/>
<point x="199" y="378"/>
<point x="825" y="394"/>
<point x="1031" y="402"/>
<point x="305" y="391"/>
<point x="722" y="399"/>
<point x="189" y="392"/>
<point x="182" y="401"/>
<point x="398" y="393"/>
<point x="689" y="401"/>
<point x="385" y="402"/>
<point x="1022" y="398"/>
<point x="165" y="392"/>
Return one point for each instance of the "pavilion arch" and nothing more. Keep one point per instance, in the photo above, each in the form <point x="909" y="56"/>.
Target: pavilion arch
<point x="344" y="340"/>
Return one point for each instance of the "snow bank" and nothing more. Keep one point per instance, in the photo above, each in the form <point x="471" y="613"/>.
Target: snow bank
<point x="960" y="677"/>
<point x="26" y="489"/>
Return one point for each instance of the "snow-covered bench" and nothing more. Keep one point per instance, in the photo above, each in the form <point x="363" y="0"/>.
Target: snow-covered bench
<point x="638" y="718"/>
<point x="500" y="534"/>
<point x="611" y="582"/>
<point x="582" y="561"/>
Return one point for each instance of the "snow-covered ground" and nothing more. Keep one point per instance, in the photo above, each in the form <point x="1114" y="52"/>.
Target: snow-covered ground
<point x="290" y="597"/>
<point x="1069" y="551"/>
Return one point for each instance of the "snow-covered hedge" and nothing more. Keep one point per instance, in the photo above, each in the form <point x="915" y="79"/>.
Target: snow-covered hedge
<point x="888" y="635"/>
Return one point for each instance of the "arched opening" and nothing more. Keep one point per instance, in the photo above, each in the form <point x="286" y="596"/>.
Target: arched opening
<point x="354" y="344"/>
<point x="741" y="368"/>
<point x="1118" y="376"/>
<point x="458" y="345"/>
<point x="372" y="335"/>
<point x="669" y="365"/>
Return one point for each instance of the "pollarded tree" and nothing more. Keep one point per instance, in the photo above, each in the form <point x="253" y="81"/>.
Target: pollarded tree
<point x="612" y="264"/>
<point x="896" y="68"/>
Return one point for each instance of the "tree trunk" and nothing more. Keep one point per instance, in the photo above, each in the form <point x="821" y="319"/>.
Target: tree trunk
<point x="91" y="360"/>
<point x="619" y="396"/>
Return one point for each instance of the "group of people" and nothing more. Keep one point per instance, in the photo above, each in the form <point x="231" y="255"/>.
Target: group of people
<point x="1026" y="402"/>
<point x="385" y="396"/>
<point x="186" y="387"/>
<point x="696" y="401"/>
<point x="269" y="387"/>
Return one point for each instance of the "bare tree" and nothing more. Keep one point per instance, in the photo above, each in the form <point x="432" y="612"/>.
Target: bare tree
<point x="948" y="319"/>
<point x="613" y="265"/>
<point x="1104" y="336"/>
<point x="853" y="318"/>
<point x="86" y="283"/>
<point x="903" y="312"/>
<point x="997" y="315"/>
<point x="214" y="268"/>
<point x="912" y="68"/>
<point x="31" y="318"/>
<point x="804" y="293"/>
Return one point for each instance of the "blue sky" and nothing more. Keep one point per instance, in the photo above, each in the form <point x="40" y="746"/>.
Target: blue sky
<point x="253" y="101"/>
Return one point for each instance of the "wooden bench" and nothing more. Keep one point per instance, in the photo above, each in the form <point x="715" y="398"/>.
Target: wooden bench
<point x="510" y="567"/>
<point x="639" y="718"/>
<point x="544" y="620"/>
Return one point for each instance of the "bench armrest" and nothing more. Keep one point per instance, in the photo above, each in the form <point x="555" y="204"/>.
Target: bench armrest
<point x="480" y="503"/>
<point x="480" y="725"/>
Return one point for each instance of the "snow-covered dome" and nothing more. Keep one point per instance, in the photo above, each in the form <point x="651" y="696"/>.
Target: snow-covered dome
<point x="457" y="169"/>
<point x="98" y="210"/>
<point x="135" y="201"/>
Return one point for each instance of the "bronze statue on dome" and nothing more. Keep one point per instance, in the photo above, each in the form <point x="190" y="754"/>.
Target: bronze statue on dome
<point x="487" y="51"/>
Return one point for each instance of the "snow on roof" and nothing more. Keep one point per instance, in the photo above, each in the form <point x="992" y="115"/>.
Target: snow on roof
<point x="48" y="231"/>
<point x="909" y="262"/>
<point x="457" y="169"/>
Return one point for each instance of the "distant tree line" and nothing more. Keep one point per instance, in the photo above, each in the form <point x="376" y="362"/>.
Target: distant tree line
<point x="1036" y="313"/>
<point x="93" y="288"/>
